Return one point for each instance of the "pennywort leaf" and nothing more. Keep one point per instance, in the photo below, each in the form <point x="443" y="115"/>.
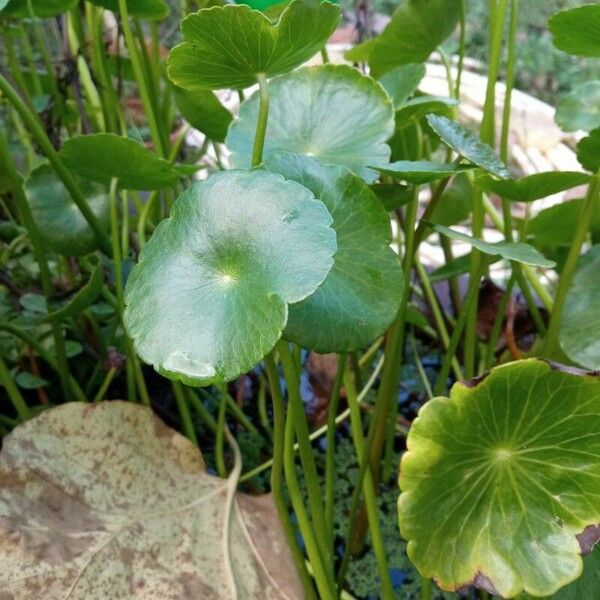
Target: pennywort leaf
<point x="468" y="145"/>
<point x="203" y="111"/>
<point x="209" y="297"/>
<point x="60" y="223"/>
<point x="331" y="112"/>
<point x="580" y="108"/>
<point x="421" y="171"/>
<point x="576" y="30"/>
<point x="142" y="9"/>
<point x="104" y="156"/>
<point x="499" y="500"/>
<point x="417" y="28"/>
<point x="516" y="251"/>
<point x="226" y="47"/>
<point x="533" y="187"/>
<point x="588" y="151"/>
<point x="579" y="333"/>
<point x="361" y="294"/>
<point x="40" y="8"/>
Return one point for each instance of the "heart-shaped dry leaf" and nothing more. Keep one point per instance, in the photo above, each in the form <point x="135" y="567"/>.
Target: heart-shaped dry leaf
<point x="501" y="478"/>
<point x="99" y="502"/>
<point x="209" y="297"/>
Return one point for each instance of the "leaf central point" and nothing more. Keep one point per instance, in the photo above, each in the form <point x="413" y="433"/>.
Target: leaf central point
<point x="503" y="454"/>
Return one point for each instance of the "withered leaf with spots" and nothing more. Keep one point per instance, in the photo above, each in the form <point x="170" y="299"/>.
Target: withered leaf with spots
<point x="106" y="501"/>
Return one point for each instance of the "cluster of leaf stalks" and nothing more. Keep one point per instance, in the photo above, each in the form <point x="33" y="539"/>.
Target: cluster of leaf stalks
<point x="67" y="83"/>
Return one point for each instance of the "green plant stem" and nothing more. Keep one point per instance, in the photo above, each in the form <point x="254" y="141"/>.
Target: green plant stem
<point x="583" y="225"/>
<point x="184" y="412"/>
<point x="390" y="378"/>
<point x="277" y="473"/>
<point x="470" y="300"/>
<point x="138" y="71"/>
<point x="220" y="439"/>
<point x="39" y="252"/>
<point x="315" y="435"/>
<point x="324" y="585"/>
<point x="438" y="316"/>
<point x="370" y="494"/>
<point x="419" y="235"/>
<point x="332" y="410"/>
<point x="527" y="270"/>
<point x="104" y="387"/>
<point x="263" y="117"/>
<point x="36" y="129"/>
<point x="307" y="458"/>
<point x="425" y="588"/>
<point x="13" y="392"/>
<point x="488" y="123"/>
<point x="46" y="58"/>
<point x="41" y="351"/>
<point x="488" y="136"/>
<point x="507" y="109"/>
<point x="13" y="63"/>
<point x="38" y="89"/>
<point x="461" y="47"/>
<point x="498" y="320"/>
<point x="199" y="407"/>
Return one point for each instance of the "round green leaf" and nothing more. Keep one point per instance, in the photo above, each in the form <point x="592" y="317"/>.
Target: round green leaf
<point x="104" y="156"/>
<point x="500" y="478"/>
<point x="515" y="251"/>
<point x="209" y="297"/>
<point x="420" y="171"/>
<point x="588" y="151"/>
<point x="30" y="381"/>
<point x="361" y="294"/>
<point x="533" y="187"/>
<point x="585" y="587"/>
<point x="580" y="109"/>
<point x="401" y="83"/>
<point x="419" y="106"/>
<point x="41" y="8"/>
<point x="556" y="225"/>
<point x="417" y="28"/>
<point x="579" y="333"/>
<point x="142" y="9"/>
<point x="331" y="112"/>
<point x="203" y="110"/>
<point x="465" y="143"/>
<point x="576" y="31"/>
<point x="60" y="223"/>
<point x="227" y="47"/>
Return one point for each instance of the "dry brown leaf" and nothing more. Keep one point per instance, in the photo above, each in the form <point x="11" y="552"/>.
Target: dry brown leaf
<point x="105" y="502"/>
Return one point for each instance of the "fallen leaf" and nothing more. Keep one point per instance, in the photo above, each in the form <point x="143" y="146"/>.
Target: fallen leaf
<point x="105" y="501"/>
